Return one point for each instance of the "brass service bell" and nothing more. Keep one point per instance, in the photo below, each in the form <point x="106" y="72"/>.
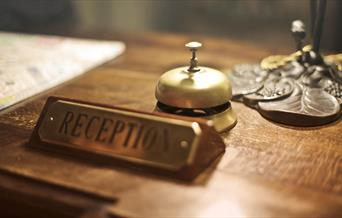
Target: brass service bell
<point x="198" y="92"/>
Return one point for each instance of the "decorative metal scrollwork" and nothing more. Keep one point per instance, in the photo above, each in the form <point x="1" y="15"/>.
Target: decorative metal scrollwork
<point x="301" y="89"/>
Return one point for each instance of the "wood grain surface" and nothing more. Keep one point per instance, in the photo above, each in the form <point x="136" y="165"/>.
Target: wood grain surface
<point x="268" y="169"/>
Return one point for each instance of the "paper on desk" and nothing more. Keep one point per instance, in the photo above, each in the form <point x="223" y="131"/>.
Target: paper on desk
<point x="30" y="64"/>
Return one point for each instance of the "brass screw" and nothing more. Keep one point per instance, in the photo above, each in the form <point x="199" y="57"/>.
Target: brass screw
<point x="193" y="46"/>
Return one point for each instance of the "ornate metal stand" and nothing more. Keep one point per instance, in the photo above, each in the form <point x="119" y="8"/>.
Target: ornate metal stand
<point x="302" y="89"/>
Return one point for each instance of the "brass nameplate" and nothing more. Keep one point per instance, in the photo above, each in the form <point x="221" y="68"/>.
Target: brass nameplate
<point x="136" y="137"/>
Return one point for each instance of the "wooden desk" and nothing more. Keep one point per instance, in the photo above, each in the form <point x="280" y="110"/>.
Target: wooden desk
<point x="267" y="169"/>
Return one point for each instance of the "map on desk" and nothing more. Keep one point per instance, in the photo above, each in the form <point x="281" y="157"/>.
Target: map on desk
<point x="30" y="64"/>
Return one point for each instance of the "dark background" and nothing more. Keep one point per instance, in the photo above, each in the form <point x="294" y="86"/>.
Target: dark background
<point x="264" y="22"/>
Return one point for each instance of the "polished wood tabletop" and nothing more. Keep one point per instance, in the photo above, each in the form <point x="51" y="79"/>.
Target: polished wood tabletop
<point x="267" y="170"/>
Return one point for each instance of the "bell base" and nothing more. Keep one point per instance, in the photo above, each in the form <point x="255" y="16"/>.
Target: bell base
<point x="222" y="117"/>
<point x="223" y="121"/>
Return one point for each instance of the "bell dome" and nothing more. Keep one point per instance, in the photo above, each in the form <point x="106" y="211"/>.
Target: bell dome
<point x="204" y="88"/>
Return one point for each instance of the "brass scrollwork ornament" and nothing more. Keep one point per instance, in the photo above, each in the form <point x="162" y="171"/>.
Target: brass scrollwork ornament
<point x="301" y="89"/>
